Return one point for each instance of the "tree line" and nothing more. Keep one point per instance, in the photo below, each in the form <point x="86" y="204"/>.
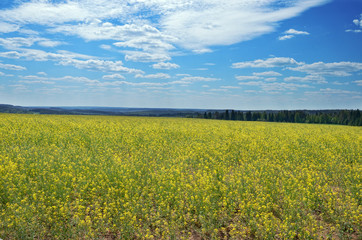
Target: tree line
<point x="343" y="117"/>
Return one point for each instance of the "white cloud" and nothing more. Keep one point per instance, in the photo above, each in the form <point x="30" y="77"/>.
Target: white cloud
<point x="19" y="42"/>
<point x="202" y="50"/>
<point x="36" y="81"/>
<point x="358" y="23"/>
<point x="308" y="78"/>
<point x="33" y="77"/>
<point x="105" y="47"/>
<point x="157" y="75"/>
<point x="334" y="91"/>
<point x="194" y="25"/>
<point x="358" y="82"/>
<point x="291" y="33"/>
<point x="218" y="90"/>
<point x="243" y="78"/>
<point x="12" y="67"/>
<point x="113" y="76"/>
<point x="39" y="55"/>
<point x="6" y="27"/>
<point x="275" y="86"/>
<point x="67" y="58"/>
<point x="49" y="43"/>
<point x="145" y="43"/>
<point x="16" y="42"/>
<point x="42" y="73"/>
<point x="340" y="83"/>
<point x="136" y="56"/>
<point x="268" y="63"/>
<point x="42" y="12"/>
<point x="268" y="74"/>
<point x="340" y="69"/>
<point x="296" y="32"/>
<point x="101" y="65"/>
<point x="271" y="79"/>
<point x="26" y="31"/>
<point x="209" y="23"/>
<point x="283" y="86"/>
<point x="285" y="37"/>
<point x="165" y="65"/>
<point x="355" y="31"/>
<point x="230" y="87"/>
<point x="199" y="79"/>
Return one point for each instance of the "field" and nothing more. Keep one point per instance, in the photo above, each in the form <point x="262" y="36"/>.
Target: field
<point x="93" y="177"/>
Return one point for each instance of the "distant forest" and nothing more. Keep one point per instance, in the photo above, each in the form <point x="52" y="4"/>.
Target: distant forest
<point x="343" y="117"/>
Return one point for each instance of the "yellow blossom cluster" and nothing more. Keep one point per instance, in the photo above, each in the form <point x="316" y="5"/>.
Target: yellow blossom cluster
<point x="97" y="177"/>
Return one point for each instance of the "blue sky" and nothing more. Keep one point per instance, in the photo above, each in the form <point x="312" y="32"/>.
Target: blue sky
<point x="235" y="54"/>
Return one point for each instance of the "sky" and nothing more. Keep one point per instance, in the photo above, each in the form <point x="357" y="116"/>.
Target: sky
<point x="209" y="54"/>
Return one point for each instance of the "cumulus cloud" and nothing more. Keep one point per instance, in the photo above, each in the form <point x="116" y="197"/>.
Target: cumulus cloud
<point x="16" y="42"/>
<point x="44" y="12"/>
<point x="19" y="42"/>
<point x="137" y="56"/>
<point x="40" y="55"/>
<point x="296" y="32"/>
<point x="113" y="76"/>
<point x="292" y="33"/>
<point x="200" y="79"/>
<point x="358" y="23"/>
<point x="157" y="75"/>
<point x="145" y="43"/>
<point x="340" y="69"/>
<point x="191" y="79"/>
<point x="49" y="43"/>
<point x="101" y="65"/>
<point x="67" y="58"/>
<point x="105" y="47"/>
<point x="315" y="71"/>
<point x="12" y="67"/>
<point x="354" y="30"/>
<point x="268" y="74"/>
<point x="285" y="37"/>
<point x="230" y="87"/>
<point x="268" y="63"/>
<point x="165" y="65"/>
<point x="358" y="82"/>
<point x="308" y="78"/>
<point x="334" y="92"/>
<point x="243" y="78"/>
<point x="275" y="86"/>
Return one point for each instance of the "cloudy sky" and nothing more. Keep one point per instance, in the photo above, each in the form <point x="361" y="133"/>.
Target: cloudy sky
<point x="236" y="54"/>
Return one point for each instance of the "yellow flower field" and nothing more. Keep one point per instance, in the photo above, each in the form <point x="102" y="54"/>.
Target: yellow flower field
<point x="95" y="177"/>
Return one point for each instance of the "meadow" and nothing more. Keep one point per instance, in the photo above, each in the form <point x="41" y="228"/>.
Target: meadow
<point x="97" y="177"/>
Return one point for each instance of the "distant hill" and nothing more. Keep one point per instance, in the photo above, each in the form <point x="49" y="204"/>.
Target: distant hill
<point x="111" y="111"/>
<point x="332" y="116"/>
